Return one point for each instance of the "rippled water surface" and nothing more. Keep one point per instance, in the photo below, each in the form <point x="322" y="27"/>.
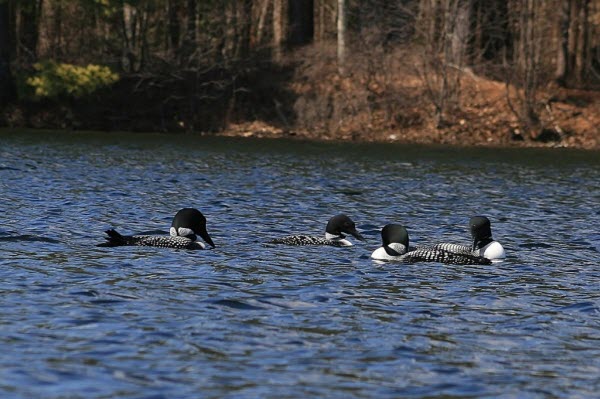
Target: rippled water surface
<point x="249" y="321"/>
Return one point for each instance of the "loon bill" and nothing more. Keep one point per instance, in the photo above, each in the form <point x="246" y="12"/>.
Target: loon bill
<point x="335" y="231"/>
<point x="483" y="243"/>
<point x="396" y="247"/>
<point x="187" y="225"/>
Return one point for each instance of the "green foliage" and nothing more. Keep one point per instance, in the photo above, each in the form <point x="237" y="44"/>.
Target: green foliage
<point x="52" y="80"/>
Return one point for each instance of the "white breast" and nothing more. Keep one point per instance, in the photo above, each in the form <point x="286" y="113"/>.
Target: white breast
<point x="493" y="250"/>
<point x="381" y="254"/>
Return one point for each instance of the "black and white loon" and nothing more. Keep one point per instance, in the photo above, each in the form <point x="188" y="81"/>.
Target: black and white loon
<point x="188" y="224"/>
<point x="483" y="243"/>
<point x="334" y="234"/>
<point x="396" y="248"/>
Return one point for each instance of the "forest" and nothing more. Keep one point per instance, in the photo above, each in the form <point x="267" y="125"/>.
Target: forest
<point x="499" y="71"/>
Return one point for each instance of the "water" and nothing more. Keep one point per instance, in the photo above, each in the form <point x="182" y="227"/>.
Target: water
<point x="248" y="321"/>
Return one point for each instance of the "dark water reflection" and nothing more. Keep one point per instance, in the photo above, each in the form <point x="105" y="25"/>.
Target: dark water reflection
<point x="246" y="320"/>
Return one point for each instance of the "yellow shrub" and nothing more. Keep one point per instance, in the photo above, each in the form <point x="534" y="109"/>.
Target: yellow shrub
<point x="53" y="80"/>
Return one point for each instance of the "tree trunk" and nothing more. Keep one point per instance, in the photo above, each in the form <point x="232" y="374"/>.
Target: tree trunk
<point x="562" y="58"/>
<point x="260" y="26"/>
<point x="135" y="42"/>
<point x="531" y="53"/>
<point x="460" y="15"/>
<point x="230" y="36"/>
<point x="341" y="36"/>
<point x="189" y="40"/>
<point x="278" y="29"/>
<point x="581" y="59"/>
<point x="57" y="42"/>
<point x="573" y="34"/>
<point x="301" y="22"/>
<point x="244" y="25"/>
<point x="29" y="16"/>
<point x="173" y="24"/>
<point x="237" y="29"/>
<point x="491" y="38"/>
<point x="7" y="88"/>
<point x="320" y="25"/>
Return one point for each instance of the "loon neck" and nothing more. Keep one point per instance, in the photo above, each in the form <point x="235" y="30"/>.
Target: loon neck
<point x="340" y="238"/>
<point x="395" y="249"/>
<point x="183" y="232"/>
<point x="480" y="243"/>
<point x="334" y="237"/>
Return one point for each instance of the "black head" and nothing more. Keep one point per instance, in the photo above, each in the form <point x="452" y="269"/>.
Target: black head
<point x="340" y="224"/>
<point x="194" y="220"/>
<point x="394" y="233"/>
<point x="481" y="231"/>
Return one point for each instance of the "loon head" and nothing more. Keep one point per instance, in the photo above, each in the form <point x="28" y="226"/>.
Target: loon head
<point x="395" y="239"/>
<point x="481" y="231"/>
<point x="340" y="224"/>
<point x="190" y="222"/>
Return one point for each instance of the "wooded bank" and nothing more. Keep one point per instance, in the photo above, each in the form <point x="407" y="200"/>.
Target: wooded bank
<point x="336" y="68"/>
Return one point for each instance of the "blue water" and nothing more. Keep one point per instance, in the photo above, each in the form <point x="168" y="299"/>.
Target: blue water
<point x="249" y="321"/>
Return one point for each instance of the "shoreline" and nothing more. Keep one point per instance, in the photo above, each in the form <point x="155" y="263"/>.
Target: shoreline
<point x="261" y="131"/>
<point x="424" y="137"/>
<point x="327" y="108"/>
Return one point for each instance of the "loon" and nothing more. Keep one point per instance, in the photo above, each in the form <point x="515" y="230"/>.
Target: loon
<point x="483" y="243"/>
<point x="334" y="234"/>
<point x="396" y="248"/>
<point x="188" y="224"/>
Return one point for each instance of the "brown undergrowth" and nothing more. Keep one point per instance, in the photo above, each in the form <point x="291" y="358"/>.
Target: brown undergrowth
<point x="380" y="98"/>
<point x="386" y="102"/>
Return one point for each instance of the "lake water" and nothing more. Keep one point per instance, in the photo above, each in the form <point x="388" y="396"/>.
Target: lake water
<point x="249" y="321"/>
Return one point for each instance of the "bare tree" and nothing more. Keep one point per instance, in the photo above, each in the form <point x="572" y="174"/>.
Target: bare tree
<point x="582" y="50"/>
<point x="445" y="33"/>
<point x="279" y="28"/>
<point x="29" y="19"/>
<point x="188" y="47"/>
<point x="574" y="60"/>
<point x="562" y="58"/>
<point x="174" y="33"/>
<point x="259" y="29"/>
<point x="523" y="75"/>
<point x="325" y="19"/>
<point x="341" y="36"/>
<point x="134" y="19"/>
<point x="6" y="79"/>
<point x="301" y="22"/>
<point x="237" y="29"/>
<point x="490" y="36"/>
